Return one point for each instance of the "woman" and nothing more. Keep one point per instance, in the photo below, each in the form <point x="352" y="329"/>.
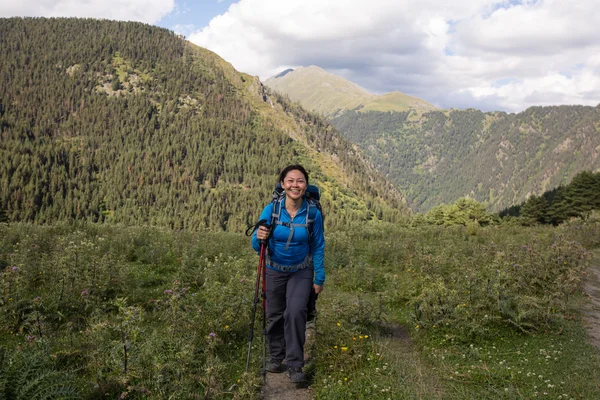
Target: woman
<point x="294" y="262"/>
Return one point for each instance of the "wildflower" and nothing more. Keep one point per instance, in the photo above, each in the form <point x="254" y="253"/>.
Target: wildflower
<point x="15" y="269"/>
<point x="335" y="347"/>
<point x="85" y="292"/>
<point x="212" y="334"/>
<point x="353" y="338"/>
<point x="360" y="337"/>
<point x="344" y="348"/>
<point x="168" y="291"/>
<point x="226" y="327"/>
<point x="366" y="336"/>
<point x="338" y="324"/>
<point x="345" y="379"/>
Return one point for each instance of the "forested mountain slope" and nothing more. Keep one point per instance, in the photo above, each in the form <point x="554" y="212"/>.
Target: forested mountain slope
<point x="130" y="123"/>
<point x="331" y="95"/>
<point x="497" y="158"/>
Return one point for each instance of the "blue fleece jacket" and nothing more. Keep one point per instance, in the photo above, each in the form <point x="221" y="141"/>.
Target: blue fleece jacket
<point x="299" y="247"/>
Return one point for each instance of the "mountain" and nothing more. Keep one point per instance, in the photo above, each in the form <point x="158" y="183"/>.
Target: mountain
<point x="331" y="95"/>
<point x="497" y="158"/>
<point x="129" y="123"/>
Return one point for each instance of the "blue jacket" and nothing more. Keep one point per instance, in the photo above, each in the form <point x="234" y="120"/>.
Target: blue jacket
<point x="299" y="247"/>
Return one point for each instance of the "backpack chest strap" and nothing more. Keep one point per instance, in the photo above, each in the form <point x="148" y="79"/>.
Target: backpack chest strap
<point x="291" y="226"/>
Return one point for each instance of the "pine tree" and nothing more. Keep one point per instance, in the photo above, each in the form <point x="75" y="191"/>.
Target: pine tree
<point x="535" y="210"/>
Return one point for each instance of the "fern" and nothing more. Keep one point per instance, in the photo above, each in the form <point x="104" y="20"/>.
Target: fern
<point x="30" y="374"/>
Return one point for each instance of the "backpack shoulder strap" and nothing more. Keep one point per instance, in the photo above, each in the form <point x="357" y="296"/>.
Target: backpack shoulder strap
<point x="311" y="214"/>
<point x="276" y="212"/>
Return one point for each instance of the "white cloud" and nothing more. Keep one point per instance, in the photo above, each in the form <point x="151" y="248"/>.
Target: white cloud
<point x="490" y="54"/>
<point x="148" y="11"/>
<point x="184" y="29"/>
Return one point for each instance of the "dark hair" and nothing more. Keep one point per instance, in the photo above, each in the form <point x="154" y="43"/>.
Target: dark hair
<point x="289" y="168"/>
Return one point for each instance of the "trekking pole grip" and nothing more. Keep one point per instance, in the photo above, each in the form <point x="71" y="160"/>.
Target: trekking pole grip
<point x="259" y="224"/>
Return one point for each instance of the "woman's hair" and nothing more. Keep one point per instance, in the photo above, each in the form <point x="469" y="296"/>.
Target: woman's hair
<point x="289" y="168"/>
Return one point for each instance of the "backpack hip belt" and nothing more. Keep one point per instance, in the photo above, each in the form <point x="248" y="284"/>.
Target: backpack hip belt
<point x="308" y="262"/>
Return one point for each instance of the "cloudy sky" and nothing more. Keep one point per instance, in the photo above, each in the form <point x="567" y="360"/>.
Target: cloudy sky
<point x="487" y="54"/>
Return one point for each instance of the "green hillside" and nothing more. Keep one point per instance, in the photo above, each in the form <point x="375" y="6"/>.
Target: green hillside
<point x="330" y="95"/>
<point x="497" y="158"/>
<point x="130" y="123"/>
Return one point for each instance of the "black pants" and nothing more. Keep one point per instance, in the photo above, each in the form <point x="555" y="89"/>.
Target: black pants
<point x="287" y="299"/>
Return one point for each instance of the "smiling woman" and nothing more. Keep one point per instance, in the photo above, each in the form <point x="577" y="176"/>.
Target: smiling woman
<point x="294" y="260"/>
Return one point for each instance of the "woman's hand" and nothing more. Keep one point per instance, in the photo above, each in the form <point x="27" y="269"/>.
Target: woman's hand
<point x="318" y="289"/>
<point x="262" y="233"/>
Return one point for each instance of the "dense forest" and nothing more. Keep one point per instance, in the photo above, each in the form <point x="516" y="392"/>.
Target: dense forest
<point x="496" y="158"/>
<point x="130" y="123"/>
<point x="578" y="199"/>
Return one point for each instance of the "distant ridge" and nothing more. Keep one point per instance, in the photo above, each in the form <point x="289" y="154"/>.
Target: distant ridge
<point x="331" y="95"/>
<point x="496" y="158"/>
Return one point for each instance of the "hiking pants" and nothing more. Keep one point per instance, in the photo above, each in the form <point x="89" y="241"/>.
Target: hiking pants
<point x="287" y="297"/>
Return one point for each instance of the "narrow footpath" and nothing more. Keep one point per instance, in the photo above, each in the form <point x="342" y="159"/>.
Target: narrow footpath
<point x="279" y="387"/>
<point x="591" y="310"/>
<point x="397" y="340"/>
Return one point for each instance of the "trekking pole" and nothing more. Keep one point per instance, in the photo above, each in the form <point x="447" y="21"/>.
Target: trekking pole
<point x="259" y="275"/>
<point x="264" y="307"/>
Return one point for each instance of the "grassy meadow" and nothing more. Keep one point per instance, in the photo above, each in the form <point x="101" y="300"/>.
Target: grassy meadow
<point x="102" y="311"/>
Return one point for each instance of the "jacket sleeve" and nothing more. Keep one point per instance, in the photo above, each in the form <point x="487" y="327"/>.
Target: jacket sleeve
<point x="318" y="249"/>
<point x="265" y="215"/>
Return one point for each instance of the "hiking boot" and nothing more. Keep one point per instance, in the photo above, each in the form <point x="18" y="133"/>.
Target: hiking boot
<point x="275" y="367"/>
<point x="296" y="375"/>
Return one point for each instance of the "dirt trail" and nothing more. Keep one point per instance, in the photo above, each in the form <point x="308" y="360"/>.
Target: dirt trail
<point x="279" y="387"/>
<point x="591" y="310"/>
<point x="418" y="380"/>
<point x="397" y="339"/>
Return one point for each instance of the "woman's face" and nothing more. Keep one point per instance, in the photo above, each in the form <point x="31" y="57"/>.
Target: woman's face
<point x="294" y="184"/>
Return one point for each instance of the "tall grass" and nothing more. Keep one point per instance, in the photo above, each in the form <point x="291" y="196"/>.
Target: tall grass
<point x="132" y="312"/>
